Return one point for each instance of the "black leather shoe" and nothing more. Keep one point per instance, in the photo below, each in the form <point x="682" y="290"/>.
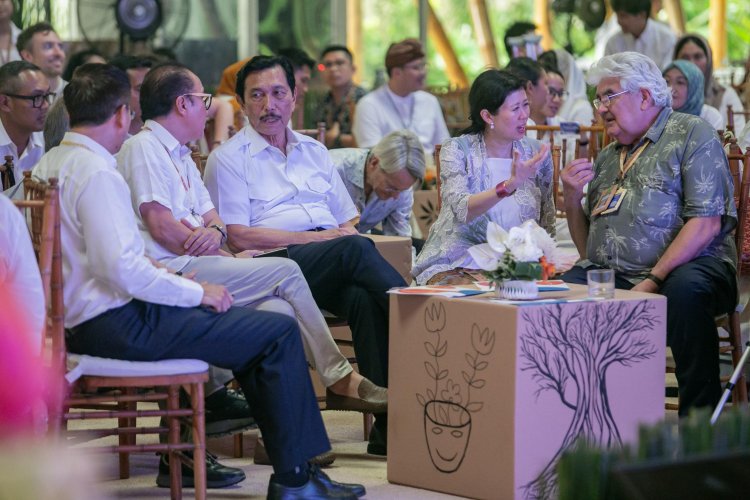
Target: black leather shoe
<point x="372" y="399"/>
<point x="217" y="475"/>
<point x="227" y="412"/>
<point x="318" y="486"/>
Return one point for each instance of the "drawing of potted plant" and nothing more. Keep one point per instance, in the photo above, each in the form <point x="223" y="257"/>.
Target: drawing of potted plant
<point x="447" y="410"/>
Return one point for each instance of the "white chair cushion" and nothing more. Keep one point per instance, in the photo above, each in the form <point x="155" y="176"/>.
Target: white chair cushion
<point x="82" y="364"/>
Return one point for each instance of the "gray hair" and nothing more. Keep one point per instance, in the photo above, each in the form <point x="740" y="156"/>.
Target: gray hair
<point x="56" y="124"/>
<point x="401" y="150"/>
<point x="635" y="71"/>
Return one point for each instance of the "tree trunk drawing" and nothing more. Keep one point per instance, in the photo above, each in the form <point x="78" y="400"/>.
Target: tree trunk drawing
<point x="568" y="351"/>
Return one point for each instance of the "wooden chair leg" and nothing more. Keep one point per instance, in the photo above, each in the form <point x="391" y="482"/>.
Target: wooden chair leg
<point x="199" y="440"/>
<point x="239" y="445"/>
<point x="739" y="395"/>
<point x="367" y="424"/>
<point x="126" y="439"/>
<point x="175" y="460"/>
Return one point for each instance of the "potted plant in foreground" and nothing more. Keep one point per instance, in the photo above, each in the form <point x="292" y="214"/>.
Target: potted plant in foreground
<point x="515" y="259"/>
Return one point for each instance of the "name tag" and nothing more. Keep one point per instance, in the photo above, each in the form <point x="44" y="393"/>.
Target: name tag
<point x="615" y="202"/>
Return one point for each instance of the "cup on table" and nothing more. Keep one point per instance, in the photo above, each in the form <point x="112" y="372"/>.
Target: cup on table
<point x="601" y="283"/>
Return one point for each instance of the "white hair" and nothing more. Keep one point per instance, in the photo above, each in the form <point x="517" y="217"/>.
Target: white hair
<point x="401" y="150"/>
<point x="635" y="71"/>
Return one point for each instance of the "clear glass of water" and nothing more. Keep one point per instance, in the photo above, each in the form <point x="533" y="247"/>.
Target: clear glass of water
<point x="601" y="283"/>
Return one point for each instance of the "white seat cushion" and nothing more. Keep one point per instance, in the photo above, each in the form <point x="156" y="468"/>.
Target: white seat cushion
<point x="82" y="364"/>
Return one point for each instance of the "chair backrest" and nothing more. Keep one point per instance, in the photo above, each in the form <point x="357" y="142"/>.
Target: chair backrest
<point x="596" y="135"/>
<point x="740" y="162"/>
<point x="200" y="160"/>
<point x="316" y="133"/>
<point x="732" y="113"/>
<point x="41" y="199"/>
<point x="436" y="156"/>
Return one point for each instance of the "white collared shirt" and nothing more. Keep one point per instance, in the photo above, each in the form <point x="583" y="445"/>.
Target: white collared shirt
<point x="158" y="168"/>
<point x="254" y="184"/>
<point x="381" y="112"/>
<point x="19" y="272"/>
<point x="29" y="157"/>
<point x="657" y="42"/>
<point x="104" y="265"/>
<point x="393" y="213"/>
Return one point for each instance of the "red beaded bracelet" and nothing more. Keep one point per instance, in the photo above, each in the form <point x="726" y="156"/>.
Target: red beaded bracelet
<point x="501" y="190"/>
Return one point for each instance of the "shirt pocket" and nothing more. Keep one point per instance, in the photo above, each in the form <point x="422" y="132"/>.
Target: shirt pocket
<point x="319" y="185"/>
<point x="263" y="197"/>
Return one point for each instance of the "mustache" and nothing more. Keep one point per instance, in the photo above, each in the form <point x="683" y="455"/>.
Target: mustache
<point x="270" y="115"/>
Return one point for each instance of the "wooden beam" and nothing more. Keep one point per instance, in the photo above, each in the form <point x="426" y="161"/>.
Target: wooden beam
<point x="717" y="35"/>
<point x="354" y="36"/>
<point x="456" y="75"/>
<point x="676" y="16"/>
<point x="483" y="31"/>
<point x="542" y="19"/>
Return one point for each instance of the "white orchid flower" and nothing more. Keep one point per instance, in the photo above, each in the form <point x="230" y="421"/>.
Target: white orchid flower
<point x="497" y="237"/>
<point x="485" y="257"/>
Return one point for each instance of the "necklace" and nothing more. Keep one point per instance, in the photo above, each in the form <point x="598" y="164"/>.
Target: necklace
<point x="406" y="125"/>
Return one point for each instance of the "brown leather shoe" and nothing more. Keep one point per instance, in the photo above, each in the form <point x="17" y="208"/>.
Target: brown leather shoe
<point x="372" y="399"/>
<point x="260" y="456"/>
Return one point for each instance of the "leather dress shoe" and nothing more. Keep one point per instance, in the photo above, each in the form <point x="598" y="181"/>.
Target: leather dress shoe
<point x="372" y="399"/>
<point x="217" y="475"/>
<point x="260" y="456"/>
<point x="227" y="412"/>
<point x="318" y="486"/>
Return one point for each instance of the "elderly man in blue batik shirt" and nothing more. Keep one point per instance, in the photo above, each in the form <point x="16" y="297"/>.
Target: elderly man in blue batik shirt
<point x="659" y="211"/>
<point x="380" y="181"/>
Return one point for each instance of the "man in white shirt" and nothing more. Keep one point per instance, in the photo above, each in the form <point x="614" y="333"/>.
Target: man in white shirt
<point x="119" y="305"/>
<point x="136" y="68"/>
<point x="24" y="100"/>
<point x="40" y="45"/>
<point x="8" y="33"/>
<point x="274" y="187"/>
<point x="183" y="231"/>
<point x="380" y="181"/>
<point x="19" y="272"/>
<point x="639" y="33"/>
<point x="401" y="103"/>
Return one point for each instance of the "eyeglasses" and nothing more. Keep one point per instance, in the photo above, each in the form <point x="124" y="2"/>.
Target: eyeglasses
<point x="36" y="100"/>
<point x="206" y="98"/>
<point x="562" y="94"/>
<point x="606" y="99"/>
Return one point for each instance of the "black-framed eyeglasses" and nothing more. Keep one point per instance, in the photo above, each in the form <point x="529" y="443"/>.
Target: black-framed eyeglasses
<point x="36" y="100"/>
<point x="206" y="98"/>
<point x="562" y="94"/>
<point x="606" y="99"/>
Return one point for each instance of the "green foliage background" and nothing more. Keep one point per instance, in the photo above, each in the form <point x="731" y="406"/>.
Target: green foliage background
<point x="387" y="21"/>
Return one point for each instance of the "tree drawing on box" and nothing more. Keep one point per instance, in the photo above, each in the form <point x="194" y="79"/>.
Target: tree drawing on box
<point x="568" y="351"/>
<point x="447" y="410"/>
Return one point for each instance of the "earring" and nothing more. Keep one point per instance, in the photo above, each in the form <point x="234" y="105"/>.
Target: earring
<point x="492" y="125"/>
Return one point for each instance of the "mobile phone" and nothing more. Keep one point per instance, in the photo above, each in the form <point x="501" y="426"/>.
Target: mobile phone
<point x="274" y="252"/>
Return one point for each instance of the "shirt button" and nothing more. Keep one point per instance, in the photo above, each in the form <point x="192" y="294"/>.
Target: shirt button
<point x="609" y="257"/>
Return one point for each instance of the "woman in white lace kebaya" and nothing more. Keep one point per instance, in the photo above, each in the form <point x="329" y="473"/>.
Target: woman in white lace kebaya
<point x="492" y="172"/>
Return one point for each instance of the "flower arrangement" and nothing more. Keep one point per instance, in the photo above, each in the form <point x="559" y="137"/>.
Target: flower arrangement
<point x="525" y="253"/>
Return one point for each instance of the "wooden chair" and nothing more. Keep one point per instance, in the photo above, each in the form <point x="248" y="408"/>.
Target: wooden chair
<point x="730" y="117"/>
<point x="93" y="375"/>
<point x="316" y="133"/>
<point x="597" y="137"/>
<point x="200" y="160"/>
<point x="730" y="322"/>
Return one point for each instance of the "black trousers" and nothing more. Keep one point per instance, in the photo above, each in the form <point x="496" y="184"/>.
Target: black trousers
<point x="263" y="349"/>
<point x="349" y="277"/>
<point x="696" y="292"/>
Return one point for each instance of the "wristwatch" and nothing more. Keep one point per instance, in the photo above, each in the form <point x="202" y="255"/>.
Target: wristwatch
<point x="222" y="230"/>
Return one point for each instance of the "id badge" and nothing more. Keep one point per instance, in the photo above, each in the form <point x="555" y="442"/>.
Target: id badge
<point x="615" y="202"/>
<point x="604" y="201"/>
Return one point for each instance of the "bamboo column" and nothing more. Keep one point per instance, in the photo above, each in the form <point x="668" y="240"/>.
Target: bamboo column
<point x="456" y="75"/>
<point x="676" y="16"/>
<point x="717" y="35"/>
<point x="354" y="35"/>
<point x="542" y="19"/>
<point x="483" y="30"/>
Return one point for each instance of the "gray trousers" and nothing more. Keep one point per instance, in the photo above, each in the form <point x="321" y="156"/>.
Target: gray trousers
<point x="273" y="284"/>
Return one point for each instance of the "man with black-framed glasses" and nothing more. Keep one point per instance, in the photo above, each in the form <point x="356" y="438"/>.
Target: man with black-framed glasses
<point x="24" y="100"/>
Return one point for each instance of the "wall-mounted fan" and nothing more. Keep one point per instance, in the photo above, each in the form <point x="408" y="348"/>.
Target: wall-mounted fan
<point x="162" y="21"/>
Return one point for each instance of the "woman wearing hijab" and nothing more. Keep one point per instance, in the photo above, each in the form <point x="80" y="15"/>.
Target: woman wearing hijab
<point x="695" y="48"/>
<point x="686" y="81"/>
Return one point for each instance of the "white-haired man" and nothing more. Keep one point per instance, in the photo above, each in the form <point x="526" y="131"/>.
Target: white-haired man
<point x="658" y="210"/>
<point x="380" y="181"/>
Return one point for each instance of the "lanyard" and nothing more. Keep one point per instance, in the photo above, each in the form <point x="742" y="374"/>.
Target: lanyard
<point x="185" y="185"/>
<point x="625" y="166"/>
<point x="398" y="113"/>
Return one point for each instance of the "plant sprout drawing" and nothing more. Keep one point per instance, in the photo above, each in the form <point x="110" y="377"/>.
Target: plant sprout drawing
<point x="568" y="350"/>
<point x="447" y="409"/>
